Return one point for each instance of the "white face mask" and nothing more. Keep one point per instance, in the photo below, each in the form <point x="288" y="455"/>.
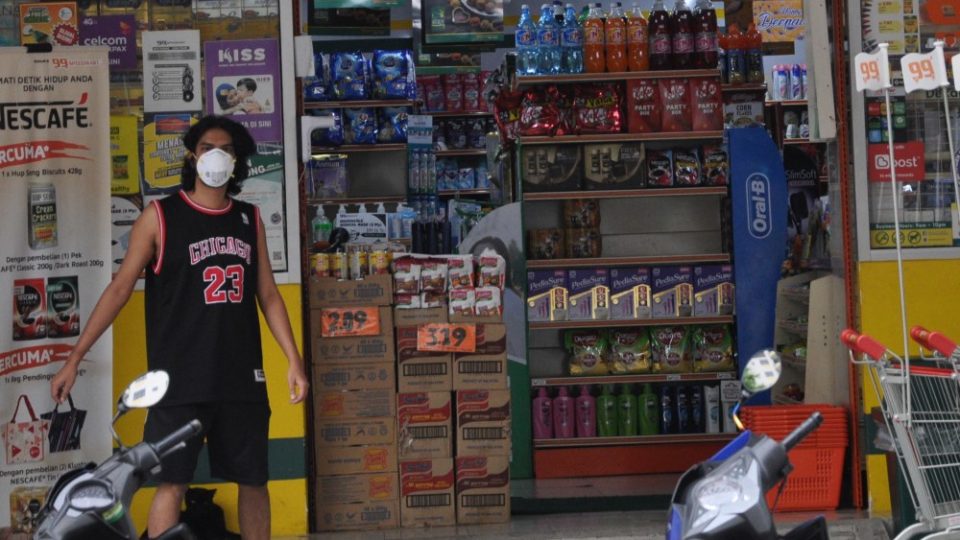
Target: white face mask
<point x="215" y="167"/>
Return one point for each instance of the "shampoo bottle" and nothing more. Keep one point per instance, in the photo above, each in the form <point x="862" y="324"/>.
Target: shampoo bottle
<point x="695" y="395"/>
<point x="563" y="415"/>
<point x="649" y="412"/>
<point x="607" y="413"/>
<point x="666" y="409"/>
<point x="711" y="406"/>
<point x="627" y="414"/>
<point x="542" y="415"/>
<point x="586" y="413"/>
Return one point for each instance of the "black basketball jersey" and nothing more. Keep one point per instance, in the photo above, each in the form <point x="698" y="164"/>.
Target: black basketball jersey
<point x="201" y="306"/>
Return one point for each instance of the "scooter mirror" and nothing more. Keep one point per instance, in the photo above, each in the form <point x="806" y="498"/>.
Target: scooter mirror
<point x="146" y="390"/>
<point x="762" y="371"/>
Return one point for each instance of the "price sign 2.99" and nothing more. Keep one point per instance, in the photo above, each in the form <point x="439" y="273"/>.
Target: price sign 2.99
<point x="460" y="338"/>
<point x="350" y="322"/>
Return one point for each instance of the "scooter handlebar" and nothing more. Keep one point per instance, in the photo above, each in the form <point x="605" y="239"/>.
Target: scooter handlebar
<point x="170" y="443"/>
<point x="807" y="427"/>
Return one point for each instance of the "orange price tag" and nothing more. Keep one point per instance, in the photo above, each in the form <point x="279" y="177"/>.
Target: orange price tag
<point x="350" y="322"/>
<point x="460" y="338"/>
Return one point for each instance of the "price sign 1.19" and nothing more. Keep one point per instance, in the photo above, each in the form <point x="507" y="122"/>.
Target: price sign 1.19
<point x="460" y="338"/>
<point x="350" y="322"/>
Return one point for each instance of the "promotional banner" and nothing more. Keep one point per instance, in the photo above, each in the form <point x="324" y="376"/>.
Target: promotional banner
<point x="119" y="32"/>
<point x="163" y="151"/>
<point x="124" y="155"/>
<point x="243" y="81"/>
<point x="171" y="71"/>
<point x="779" y="21"/>
<point x="264" y="188"/>
<point x="49" y="22"/>
<point x="54" y="199"/>
<point x="758" y="191"/>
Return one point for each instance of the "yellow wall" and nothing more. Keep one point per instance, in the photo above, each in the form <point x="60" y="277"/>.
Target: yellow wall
<point x="288" y="497"/>
<point x="932" y="291"/>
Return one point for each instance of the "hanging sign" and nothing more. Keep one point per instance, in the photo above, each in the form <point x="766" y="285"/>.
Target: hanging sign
<point x="873" y="70"/>
<point x="459" y="338"/>
<point x="924" y="71"/>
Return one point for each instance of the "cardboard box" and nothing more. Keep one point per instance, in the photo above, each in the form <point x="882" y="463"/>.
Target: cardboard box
<point x="355" y="404"/>
<point x="713" y="290"/>
<point x="342" y="350"/>
<point x="546" y="295"/>
<point x="483" y="489"/>
<point x="629" y="293"/>
<point x="426" y="493"/>
<point x="486" y="367"/>
<point x="359" y="516"/>
<point x="357" y="488"/>
<point x="359" y="376"/>
<point x="425" y="425"/>
<point x="339" y="460"/>
<point x="357" y="431"/>
<point x="478" y="319"/>
<point x="672" y="292"/>
<point x="376" y="290"/>
<point x="483" y="422"/>
<point x="421" y="371"/>
<point x="589" y="294"/>
<point x="413" y="317"/>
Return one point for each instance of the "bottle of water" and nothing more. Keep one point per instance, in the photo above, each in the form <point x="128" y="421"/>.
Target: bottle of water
<point x="571" y="41"/>
<point x="526" y="42"/>
<point x="548" y="39"/>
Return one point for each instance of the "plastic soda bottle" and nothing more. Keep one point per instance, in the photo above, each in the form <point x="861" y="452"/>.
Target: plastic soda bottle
<point x="526" y="40"/>
<point x="736" y="59"/>
<point x="705" y="40"/>
<point x="548" y="41"/>
<point x="615" y="31"/>
<point x="661" y="45"/>
<point x="638" y="41"/>
<point x="754" y="53"/>
<point x="682" y="31"/>
<point x="594" y="56"/>
<point x="571" y="41"/>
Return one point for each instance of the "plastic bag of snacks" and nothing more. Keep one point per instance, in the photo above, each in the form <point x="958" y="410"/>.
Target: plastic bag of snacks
<point x="393" y="124"/>
<point x="713" y="348"/>
<point x="432" y="92"/>
<point x="462" y="302"/>
<point x="393" y="76"/>
<point x="597" y="109"/>
<point x="629" y="351"/>
<point x="715" y="166"/>
<point x="686" y="167"/>
<point x="539" y="115"/>
<point x="659" y="168"/>
<point x="587" y="349"/>
<point x="360" y="126"/>
<point x="406" y="275"/>
<point x="433" y="275"/>
<point x="459" y="271"/>
<point x="471" y="92"/>
<point x="507" y="108"/>
<point x="452" y="93"/>
<point x="315" y="88"/>
<point x="489" y="302"/>
<point x="349" y="73"/>
<point x="670" y="347"/>
<point x="328" y="136"/>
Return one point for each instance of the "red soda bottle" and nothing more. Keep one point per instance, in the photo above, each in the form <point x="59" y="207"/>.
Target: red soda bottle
<point x="661" y="44"/>
<point x="615" y="31"/>
<point x="705" y="41"/>
<point x="682" y="30"/>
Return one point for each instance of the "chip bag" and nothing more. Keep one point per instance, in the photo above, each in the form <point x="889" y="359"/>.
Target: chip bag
<point x="538" y="114"/>
<point x="392" y="124"/>
<point x="393" y="75"/>
<point x="348" y="70"/>
<point x="597" y="109"/>
<point x="629" y="351"/>
<point x="713" y="348"/>
<point x="670" y="347"/>
<point x="586" y="349"/>
<point x="360" y="126"/>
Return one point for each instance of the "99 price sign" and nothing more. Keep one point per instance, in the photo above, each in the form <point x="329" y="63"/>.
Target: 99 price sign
<point x="350" y="322"/>
<point x="460" y="338"/>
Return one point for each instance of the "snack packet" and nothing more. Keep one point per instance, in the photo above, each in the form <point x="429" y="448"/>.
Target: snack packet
<point x="432" y="299"/>
<point x="407" y="301"/>
<point x="489" y="302"/>
<point x="360" y="126"/>
<point x="587" y="349"/>
<point x="715" y="165"/>
<point x="433" y="275"/>
<point x="349" y="73"/>
<point x="670" y="347"/>
<point x="459" y="272"/>
<point x="462" y="301"/>
<point x="629" y="351"/>
<point x="713" y="346"/>
<point x="686" y="167"/>
<point x="538" y="114"/>
<point x="392" y="75"/>
<point x="452" y="92"/>
<point x="659" y="168"/>
<point x="406" y="275"/>
<point x="492" y="269"/>
<point x="432" y="92"/>
<point x="598" y="109"/>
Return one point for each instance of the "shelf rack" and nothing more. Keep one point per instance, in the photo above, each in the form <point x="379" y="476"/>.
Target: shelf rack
<point x="463" y="192"/>
<point x="358" y="148"/>
<point x="357" y="200"/>
<point x="616" y="77"/>
<point x="455" y="114"/>
<point x="720" y="258"/>
<point x="623" y="137"/>
<point x="562" y="325"/>
<point x="626" y="193"/>
<point x="320" y="105"/>
<point x="466" y="152"/>
<point x="633" y="378"/>
<point x="633" y="441"/>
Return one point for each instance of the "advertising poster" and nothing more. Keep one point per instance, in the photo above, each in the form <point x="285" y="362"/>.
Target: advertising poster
<point x="9" y="24"/>
<point x="119" y="32"/>
<point x="243" y="81"/>
<point x="264" y="188"/>
<point x="779" y="21"/>
<point x="53" y="22"/>
<point x="890" y="21"/>
<point x="124" y="155"/>
<point x="124" y="211"/>
<point x="463" y="21"/>
<point x="171" y="71"/>
<point x="54" y="199"/>
<point x="163" y="151"/>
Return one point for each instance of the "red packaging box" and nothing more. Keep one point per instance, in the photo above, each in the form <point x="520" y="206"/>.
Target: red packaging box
<point x="675" y="103"/>
<point x="643" y="106"/>
<point x="707" y="104"/>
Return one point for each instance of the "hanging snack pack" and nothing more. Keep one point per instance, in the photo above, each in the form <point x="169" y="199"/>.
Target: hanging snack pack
<point x="670" y="348"/>
<point x="393" y="76"/>
<point x="392" y="124"/>
<point x="713" y="348"/>
<point x="629" y="351"/>
<point x="349" y="73"/>
<point x="360" y="126"/>
<point x="587" y="349"/>
<point x="597" y="108"/>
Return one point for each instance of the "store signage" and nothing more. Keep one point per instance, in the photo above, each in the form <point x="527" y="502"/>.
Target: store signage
<point x="350" y="322"/>
<point x="779" y="21"/>
<point x="54" y="23"/>
<point x="341" y="4"/>
<point x="171" y="71"/>
<point x="243" y="81"/>
<point x="909" y="162"/>
<point x="119" y="32"/>
<point x="873" y="70"/>
<point x="460" y="338"/>
<point x="924" y="71"/>
<point x="759" y="206"/>
<point x="912" y="235"/>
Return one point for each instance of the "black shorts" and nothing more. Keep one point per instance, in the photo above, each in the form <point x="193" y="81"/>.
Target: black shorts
<point x="236" y="434"/>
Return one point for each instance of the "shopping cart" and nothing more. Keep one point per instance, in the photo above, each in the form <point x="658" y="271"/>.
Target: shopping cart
<point x="921" y="407"/>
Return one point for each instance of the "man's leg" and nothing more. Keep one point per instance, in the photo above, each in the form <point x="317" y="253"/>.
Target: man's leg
<point x="165" y="509"/>
<point x="253" y="505"/>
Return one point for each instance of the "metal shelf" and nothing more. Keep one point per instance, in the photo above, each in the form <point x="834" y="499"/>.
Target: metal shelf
<point x="560" y="325"/>
<point x="787" y="142"/>
<point x="624" y="137"/>
<point x="456" y="192"/>
<point x="786" y="102"/>
<point x="746" y="87"/>
<point x="629" y="261"/>
<point x="626" y="193"/>
<point x="615" y="77"/>
<point x="635" y="378"/>
<point x="357" y="200"/>
<point x="467" y="152"/>
<point x="357" y="104"/>
<point x="455" y="114"/>
<point x="357" y="148"/>
<point x="680" y="438"/>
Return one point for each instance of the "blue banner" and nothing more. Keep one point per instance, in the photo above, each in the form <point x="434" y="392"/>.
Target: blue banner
<point x="759" y="196"/>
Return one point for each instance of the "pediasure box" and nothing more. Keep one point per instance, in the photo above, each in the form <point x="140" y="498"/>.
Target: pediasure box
<point x="672" y="292"/>
<point x="342" y="350"/>
<point x="421" y="371"/>
<point x="547" y="295"/>
<point x="483" y="489"/>
<point x="425" y="425"/>
<point x="486" y="367"/>
<point x="630" y="293"/>
<point x="426" y="493"/>
<point x="589" y="294"/>
<point x="483" y="423"/>
<point x="713" y="290"/>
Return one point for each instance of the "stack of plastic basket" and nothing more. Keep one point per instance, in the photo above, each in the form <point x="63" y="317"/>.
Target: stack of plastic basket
<point x="817" y="462"/>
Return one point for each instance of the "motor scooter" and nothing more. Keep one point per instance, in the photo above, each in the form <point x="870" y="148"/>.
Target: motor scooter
<point x="93" y="502"/>
<point x="725" y="496"/>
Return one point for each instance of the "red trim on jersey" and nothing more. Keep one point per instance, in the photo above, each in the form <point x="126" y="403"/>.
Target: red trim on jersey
<point x="163" y="237"/>
<point x="204" y="209"/>
<point x="256" y="223"/>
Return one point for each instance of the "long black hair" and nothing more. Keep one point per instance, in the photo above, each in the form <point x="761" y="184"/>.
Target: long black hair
<point x="243" y="148"/>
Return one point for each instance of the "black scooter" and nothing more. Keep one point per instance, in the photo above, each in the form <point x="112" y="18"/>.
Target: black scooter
<point x="725" y="497"/>
<point x="93" y="502"/>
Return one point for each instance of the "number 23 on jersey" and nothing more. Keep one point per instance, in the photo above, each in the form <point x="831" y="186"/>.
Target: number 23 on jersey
<point x="224" y="284"/>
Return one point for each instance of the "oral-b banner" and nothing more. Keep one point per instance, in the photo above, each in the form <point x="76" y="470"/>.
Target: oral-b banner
<point x="759" y="195"/>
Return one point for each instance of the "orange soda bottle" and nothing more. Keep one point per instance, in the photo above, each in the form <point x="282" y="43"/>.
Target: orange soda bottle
<point x="594" y="55"/>
<point x="638" y="40"/>
<point x="616" y="35"/>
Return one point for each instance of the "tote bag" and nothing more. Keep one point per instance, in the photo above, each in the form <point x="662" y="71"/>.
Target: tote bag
<point x="64" y="429"/>
<point x="23" y="441"/>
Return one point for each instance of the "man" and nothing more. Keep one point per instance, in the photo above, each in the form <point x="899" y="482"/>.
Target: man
<point x="205" y="256"/>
